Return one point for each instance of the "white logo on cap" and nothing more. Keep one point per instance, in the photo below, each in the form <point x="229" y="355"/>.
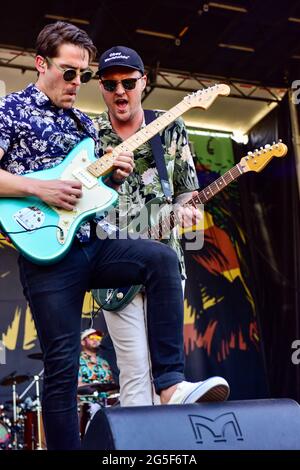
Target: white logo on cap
<point x="116" y="55"/>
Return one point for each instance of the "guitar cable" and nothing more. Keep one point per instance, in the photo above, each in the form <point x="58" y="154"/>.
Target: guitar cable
<point x="94" y="313"/>
<point x="34" y="229"/>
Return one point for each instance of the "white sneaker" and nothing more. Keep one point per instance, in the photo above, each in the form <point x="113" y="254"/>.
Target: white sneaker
<point x="212" y="389"/>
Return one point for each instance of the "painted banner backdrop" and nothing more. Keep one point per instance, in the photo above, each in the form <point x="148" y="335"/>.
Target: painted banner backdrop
<point x="221" y="326"/>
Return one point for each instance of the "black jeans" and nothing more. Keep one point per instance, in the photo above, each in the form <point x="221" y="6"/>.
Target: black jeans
<point x="55" y="294"/>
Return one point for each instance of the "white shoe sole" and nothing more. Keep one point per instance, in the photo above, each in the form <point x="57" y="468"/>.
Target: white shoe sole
<point x="208" y="392"/>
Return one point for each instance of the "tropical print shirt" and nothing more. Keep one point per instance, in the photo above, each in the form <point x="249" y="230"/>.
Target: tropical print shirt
<point x="144" y="184"/>
<point x="37" y="135"/>
<point x="90" y="371"/>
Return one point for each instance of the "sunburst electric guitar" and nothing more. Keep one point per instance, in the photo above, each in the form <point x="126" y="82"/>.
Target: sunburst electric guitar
<point x="158" y="227"/>
<point x="44" y="233"/>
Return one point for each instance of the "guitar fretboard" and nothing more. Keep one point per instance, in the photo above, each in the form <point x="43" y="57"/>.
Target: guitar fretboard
<point x="167" y="223"/>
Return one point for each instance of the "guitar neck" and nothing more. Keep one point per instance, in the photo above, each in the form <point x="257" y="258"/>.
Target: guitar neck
<point x="167" y="223"/>
<point x="218" y="185"/>
<point x="153" y="128"/>
<point x="105" y="164"/>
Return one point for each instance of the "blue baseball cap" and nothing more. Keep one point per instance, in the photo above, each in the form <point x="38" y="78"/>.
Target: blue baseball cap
<point x="120" y="56"/>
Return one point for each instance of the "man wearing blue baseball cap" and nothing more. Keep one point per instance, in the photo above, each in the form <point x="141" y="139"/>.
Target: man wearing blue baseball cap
<point x="122" y="81"/>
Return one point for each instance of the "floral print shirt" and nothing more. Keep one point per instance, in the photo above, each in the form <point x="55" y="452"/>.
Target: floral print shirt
<point x="144" y="184"/>
<point x="35" y="134"/>
<point x="89" y="371"/>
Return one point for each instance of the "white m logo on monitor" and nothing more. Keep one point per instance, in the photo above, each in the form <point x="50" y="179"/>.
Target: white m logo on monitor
<point x="217" y="427"/>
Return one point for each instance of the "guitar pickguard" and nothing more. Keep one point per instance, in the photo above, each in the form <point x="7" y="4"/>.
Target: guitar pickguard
<point x="95" y="196"/>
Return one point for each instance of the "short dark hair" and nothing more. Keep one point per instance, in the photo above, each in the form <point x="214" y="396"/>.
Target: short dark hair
<point x="55" y="34"/>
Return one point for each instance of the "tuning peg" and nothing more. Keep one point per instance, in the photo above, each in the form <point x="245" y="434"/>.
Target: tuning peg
<point x="273" y="143"/>
<point x="267" y="146"/>
<point x="280" y="141"/>
<point x="260" y="148"/>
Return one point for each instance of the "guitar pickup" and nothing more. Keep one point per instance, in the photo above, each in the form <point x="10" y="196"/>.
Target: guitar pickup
<point x="88" y="180"/>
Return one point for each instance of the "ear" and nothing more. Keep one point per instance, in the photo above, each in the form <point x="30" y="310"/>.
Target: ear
<point x="144" y="80"/>
<point x="40" y="64"/>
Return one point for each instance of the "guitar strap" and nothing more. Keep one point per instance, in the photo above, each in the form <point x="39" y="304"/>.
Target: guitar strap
<point x="158" y="154"/>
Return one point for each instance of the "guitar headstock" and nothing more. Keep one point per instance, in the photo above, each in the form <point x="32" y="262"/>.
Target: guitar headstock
<point x="257" y="160"/>
<point x="205" y="97"/>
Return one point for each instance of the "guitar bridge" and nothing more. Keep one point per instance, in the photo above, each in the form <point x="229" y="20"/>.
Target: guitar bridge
<point x="30" y="218"/>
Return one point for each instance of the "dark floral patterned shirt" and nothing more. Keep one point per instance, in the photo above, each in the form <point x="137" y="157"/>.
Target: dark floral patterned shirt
<point x="35" y="134"/>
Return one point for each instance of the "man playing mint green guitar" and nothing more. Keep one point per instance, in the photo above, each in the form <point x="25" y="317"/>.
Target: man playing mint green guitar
<point x="122" y="81"/>
<point x="38" y="129"/>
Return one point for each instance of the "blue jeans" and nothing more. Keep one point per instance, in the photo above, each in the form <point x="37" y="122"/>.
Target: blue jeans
<point x="55" y="294"/>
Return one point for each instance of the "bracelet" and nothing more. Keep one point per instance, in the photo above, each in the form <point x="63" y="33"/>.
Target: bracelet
<point x="114" y="181"/>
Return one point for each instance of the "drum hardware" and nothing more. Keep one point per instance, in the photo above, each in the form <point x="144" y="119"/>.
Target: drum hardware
<point x="93" y="396"/>
<point x="5" y="429"/>
<point x="36" y="378"/>
<point x="34" y="442"/>
<point x="39" y="411"/>
<point x="25" y="429"/>
<point x="13" y="380"/>
<point x="99" y="387"/>
<point x="5" y="435"/>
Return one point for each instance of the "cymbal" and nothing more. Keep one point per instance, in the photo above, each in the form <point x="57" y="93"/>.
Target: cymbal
<point x="14" y="379"/>
<point x="37" y="355"/>
<point x="89" y="389"/>
<point x="18" y="401"/>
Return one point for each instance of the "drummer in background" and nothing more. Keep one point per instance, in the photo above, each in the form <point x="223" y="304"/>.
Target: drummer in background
<point x="92" y="367"/>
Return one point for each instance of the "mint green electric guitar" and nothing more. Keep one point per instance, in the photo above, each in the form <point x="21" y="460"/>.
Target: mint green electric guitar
<point x="45" y="233"/>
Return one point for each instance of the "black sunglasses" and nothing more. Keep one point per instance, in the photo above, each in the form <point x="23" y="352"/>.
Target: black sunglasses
<point x="127" y="84"/>
<point x="70" y="74"/>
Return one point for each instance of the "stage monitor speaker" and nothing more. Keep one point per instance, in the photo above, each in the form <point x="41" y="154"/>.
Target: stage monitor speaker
<point x="231" y="425"/>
